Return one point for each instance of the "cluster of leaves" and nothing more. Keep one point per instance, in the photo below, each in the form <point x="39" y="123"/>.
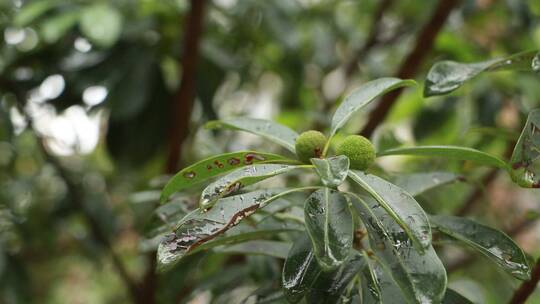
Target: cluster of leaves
<point x="330" y="259"/>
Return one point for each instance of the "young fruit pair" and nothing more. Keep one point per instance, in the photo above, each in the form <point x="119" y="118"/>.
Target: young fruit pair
<point x="358" y="149"/>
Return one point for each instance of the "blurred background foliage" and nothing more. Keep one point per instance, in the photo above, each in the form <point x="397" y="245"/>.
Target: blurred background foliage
<point x="89" y="91"/>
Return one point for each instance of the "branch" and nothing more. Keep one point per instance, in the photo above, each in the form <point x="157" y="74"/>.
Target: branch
<point x="186" y="93"/>
<point x="527" y="288"/>
<point x="409" y="67"/>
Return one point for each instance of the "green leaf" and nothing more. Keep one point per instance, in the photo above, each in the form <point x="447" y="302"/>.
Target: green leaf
<point x="493" y="243"/>
<point x="56" y="27"/>
<point x="420" y="276"/>
<point x="526" y="152"/>
<point x="101" y="23"/>
<point x="198" y="227"/>
<point x="214" y="166"/>
<point x="235" y="180"/>
<point x="261" y="247"/>
<point x="300" y="270"/>
<point x="400" y="205"/>
<point x="270" y="130"/>
<point x="447" y="76"/>
<point x="452" y="297"/>
<point x="418" y="183"/>
<point x="329" y="286"/>
<point x="371" y="287"/>
<point x="303" y="275"/>
<point x="362" y="96"/>
<point x="452" y="152"/>
<point x="33" y="10"/>
<point x="330" y="226"/>
<point x="332" y="170"/>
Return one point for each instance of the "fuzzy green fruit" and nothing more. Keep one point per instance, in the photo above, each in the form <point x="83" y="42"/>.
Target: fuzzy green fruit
<point x="359" y="150"/>
<point x="310" y="144"/>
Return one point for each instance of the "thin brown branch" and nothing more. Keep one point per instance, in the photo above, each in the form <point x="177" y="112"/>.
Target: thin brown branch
<point x="527" y="288"/>
<point x="411" y="64"/>
<point x="183" y="102"/>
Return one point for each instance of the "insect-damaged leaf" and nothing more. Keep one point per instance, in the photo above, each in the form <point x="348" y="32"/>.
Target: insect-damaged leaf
<point x="420" y="276"/>
<point x="214" y="166"/>
<point x="198" y="227"/>
<point x="526" y="152"/>
<point x="399" y="205"/>
<point x="270" y="130"/>
<point x="362" y="96"/>
<point x="330" y="226"/>
<point x="235" y="180"/>
<point x="447" y="76"/>
<point x="332" y="170"/>
<point x="493" y="243"/>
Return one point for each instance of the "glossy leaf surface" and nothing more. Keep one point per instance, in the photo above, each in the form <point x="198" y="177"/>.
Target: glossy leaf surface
<point x="493" y="243"/>
<point x="300" y="270"/>
<point x="332" y="170"/>
<point x="527" y="152"/>
<point x="273" y="131"/>
<point x="330" y="226"/>
<point x="362" y="96"/>
<point x="238" y="179"/>
<point x="418" y="183"/>
<point x="447" y="76"/>
<point x="214" y="166"/>
<point x="420" y="276"/>
<point x="452" y="152"/>
<point x="399" y="205"/>
<point x="329" y="286"/>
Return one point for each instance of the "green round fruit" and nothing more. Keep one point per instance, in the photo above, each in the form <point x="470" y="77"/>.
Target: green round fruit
<point x="359" y="150"/>
<point x="310" y="144"/>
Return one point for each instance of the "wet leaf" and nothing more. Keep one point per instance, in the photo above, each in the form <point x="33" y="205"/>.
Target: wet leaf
<point x="303" y="275"/>
<point x="329" y="286"/>
<point x="371" y="288"/>
<point x="362" y="96"/>
<point x="214" y="166"/>
<point x="447" y="76"/>
<point x="330" y="226"/>
<point x="270" y="130"/>
<point x="418" y="183"/>
<point x="238" y="179"/>
<point x="421" y="277"/>
<point x="101" y="23"/>
<point x="300" y="270"/>
<point x="452" y="152"/>
<point x="493" y="243"/>
<point x="332" y="170"/>
<point x="198" y="228"/>
<point x="399" y="205"/>
<point x="270" y="248"/>
<point x="452" y="297"/>
<point x="526" y="152"/>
